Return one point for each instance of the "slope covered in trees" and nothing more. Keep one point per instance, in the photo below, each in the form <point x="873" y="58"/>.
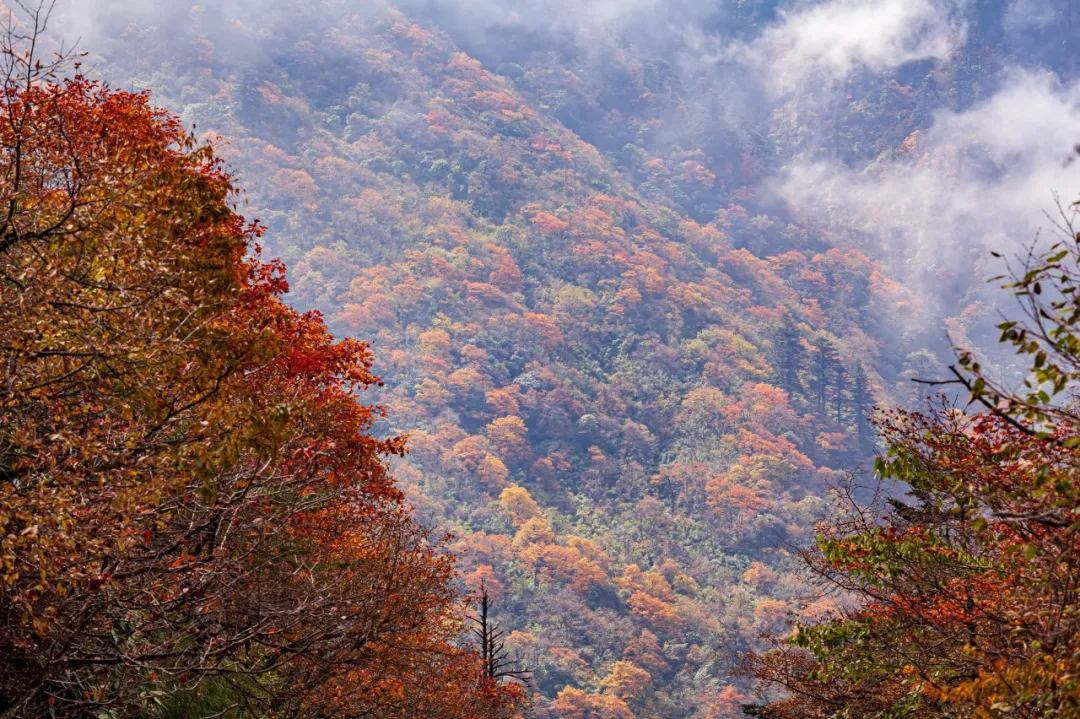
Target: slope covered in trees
<point x="618" y="411"/>
<point x="967" y="587"/>
<point x="195" y="516"/>
<point x="626" y="374"/>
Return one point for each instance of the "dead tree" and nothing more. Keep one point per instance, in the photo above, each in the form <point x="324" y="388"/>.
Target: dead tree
<point x="496" y="661"/>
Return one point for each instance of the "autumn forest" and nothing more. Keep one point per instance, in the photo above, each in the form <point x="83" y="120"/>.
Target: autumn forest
<point x="550" y="359"/>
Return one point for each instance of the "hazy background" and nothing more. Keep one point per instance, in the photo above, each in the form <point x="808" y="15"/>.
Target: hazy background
<point x="982" y="173"/>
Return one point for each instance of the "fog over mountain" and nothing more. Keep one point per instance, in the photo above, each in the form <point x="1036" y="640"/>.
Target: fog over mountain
<point x="794" y="62"/>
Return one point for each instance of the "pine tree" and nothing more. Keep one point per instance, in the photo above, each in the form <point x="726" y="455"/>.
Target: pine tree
<point x="789" y="356"/>
<point x="860" y="401"/>
<point x="838" y="392"/>
<point x="825" y="359"/>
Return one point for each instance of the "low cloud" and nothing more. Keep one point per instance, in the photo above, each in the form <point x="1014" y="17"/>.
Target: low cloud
<point x="977" y="180"/>
<point x="833" y="39"/>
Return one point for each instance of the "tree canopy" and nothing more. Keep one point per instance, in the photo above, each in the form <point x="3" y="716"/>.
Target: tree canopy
<point x="964" y="588"/>
<point x="194" y="510"/>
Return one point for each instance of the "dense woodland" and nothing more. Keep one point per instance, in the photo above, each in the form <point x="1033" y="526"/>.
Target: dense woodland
<point x="588" y="365"/>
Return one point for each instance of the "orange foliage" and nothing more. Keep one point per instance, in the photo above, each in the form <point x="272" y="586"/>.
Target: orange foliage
<point x="655" y="613"/>
<point x="519" y="504"/>
<point x="191" y="488"/>
<point x="548" y="224"/>
<point x="575" y="704"/>
<point x="509" y="436"/>
<point x="626" y="681"/>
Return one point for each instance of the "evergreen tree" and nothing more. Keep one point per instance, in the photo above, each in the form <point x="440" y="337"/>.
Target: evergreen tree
<point x="790" y="353"/>
<point x="825" y="359"/>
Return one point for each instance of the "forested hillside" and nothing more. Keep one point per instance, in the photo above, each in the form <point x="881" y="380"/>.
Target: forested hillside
<point x="631" y="305"/>
<point x="195" y="516"/>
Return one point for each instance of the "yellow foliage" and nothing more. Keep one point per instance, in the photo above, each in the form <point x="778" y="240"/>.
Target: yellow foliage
<point x="519" y="504"/>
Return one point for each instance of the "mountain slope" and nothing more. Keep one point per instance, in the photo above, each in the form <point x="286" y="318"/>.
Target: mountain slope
<point x="621" y="399"/>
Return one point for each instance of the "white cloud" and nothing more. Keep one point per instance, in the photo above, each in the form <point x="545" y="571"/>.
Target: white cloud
<point x="976" y="180"/>
<point x="837" y="37"/>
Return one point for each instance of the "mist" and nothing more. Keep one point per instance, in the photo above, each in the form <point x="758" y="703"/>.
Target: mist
<point x="983" y="174"/>
<point x="832" y="40"/>
<point x="988" y="178"/>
